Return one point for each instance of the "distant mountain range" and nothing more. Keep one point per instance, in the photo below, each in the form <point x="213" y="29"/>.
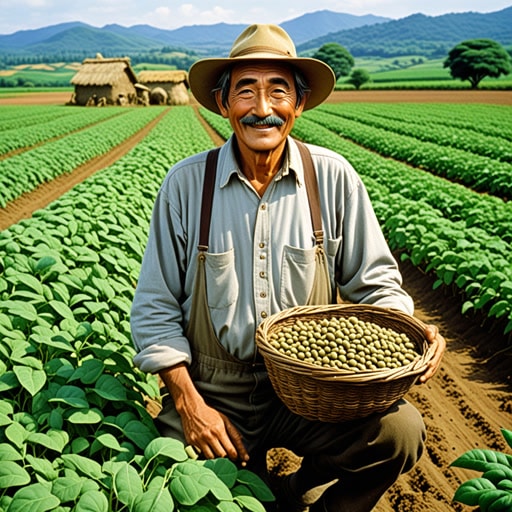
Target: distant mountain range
<point x="361" y="35"/>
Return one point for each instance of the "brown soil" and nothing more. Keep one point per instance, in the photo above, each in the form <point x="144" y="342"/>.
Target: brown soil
<point x="464" y="405"/>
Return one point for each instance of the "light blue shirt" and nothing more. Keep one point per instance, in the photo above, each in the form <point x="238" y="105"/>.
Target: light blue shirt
<point x="261" y="254"/>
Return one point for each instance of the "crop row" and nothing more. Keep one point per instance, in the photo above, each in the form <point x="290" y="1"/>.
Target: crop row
<point x="15" y="116"/>
<point x="26" y="135"/>
<point x="479" y="172"/>
<point x="430" y="130"/>
<point x="76" y="433"/>
<point x="436" y="223"/>
<point x="24" y="172"/>
<point x="477" y="262"/>
<point x="473" y="117"/>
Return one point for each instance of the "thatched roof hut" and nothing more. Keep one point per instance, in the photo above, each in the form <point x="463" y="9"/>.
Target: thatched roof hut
<point x="105" y="81"/>
<point x="173" y="82"/>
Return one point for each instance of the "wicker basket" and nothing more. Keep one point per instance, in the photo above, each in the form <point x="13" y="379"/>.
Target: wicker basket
<point x="332" y="395"/>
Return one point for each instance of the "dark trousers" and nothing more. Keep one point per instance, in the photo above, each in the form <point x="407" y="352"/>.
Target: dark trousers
<point x="364" y="457"/>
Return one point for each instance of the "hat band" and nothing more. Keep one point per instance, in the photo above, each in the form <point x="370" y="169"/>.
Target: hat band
<point x="263" y="49"/>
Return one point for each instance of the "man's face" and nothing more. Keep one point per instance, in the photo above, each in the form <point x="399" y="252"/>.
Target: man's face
<point x="261" y="105"/>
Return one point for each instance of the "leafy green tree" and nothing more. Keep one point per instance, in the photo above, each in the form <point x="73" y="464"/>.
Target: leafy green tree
<point x="359" y="77"/>
<point x="476" y="59"/>
<point x="336" y="56"/>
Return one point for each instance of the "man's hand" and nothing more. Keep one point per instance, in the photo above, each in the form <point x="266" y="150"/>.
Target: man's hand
<point x="212" y="434"/>
<point x="434" y="338"/>
<point x="205" y="428"/>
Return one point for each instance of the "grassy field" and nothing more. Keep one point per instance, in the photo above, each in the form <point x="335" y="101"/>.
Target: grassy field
<point x="411" y="71"/>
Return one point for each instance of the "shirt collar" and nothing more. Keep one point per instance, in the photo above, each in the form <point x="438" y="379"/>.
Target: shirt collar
<point x="228" y="166"/>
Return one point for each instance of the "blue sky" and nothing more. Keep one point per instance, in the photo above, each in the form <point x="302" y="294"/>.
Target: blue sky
<point x="29" y="14"/>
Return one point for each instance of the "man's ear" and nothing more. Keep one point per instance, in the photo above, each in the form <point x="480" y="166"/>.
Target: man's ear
<point x="222" y="108"/>
<point x="300" y="107"/>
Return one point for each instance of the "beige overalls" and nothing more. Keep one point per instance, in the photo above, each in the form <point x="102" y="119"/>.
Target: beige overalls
<point x="240" y="389"/>
<point x="363" y="458"/>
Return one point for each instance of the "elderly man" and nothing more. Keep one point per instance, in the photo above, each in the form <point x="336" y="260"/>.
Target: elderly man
<point x="265" y="224"/>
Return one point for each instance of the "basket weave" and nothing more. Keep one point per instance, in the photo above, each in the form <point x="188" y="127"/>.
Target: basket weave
<point x="334" y="395"/>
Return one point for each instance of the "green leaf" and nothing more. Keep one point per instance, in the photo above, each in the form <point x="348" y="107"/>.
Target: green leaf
<point x="139" y="433"/>
<point x="62" y="309"/>
<point x="469" y="492"/>
<point x="89" y="372"/>
<point x="83" y="465"/>
<point x="71" y="395"/>
<point x="32" y="380"/>
<point x="109" y="441"/>
<point x="490" y="500"/>
<point x="12" y="475"/>
<point x="36" y="498"/>
<point x="110" y="388"/>
<point x="21" y="309"/>
<point x="92" y="501"/>
<point x="255" y="484"/>
<point x="85" y="417"/>
<point x="8" y="452"/>
<point x="128" y="484"/>
<point x="224" y="469"/>
<point x="507" y="434"/>
<point x="43" y="467"/>
<point x="17" y="434"/>
<point x="166" y="447"/>
<point x="228" y="506"/>
<point x="480" y="459"/>
<point x="250" y="503"/>
<point x="31" y="283"/>
<point x="186" y="485"/>
<point x="154" y="500"/>
<point x="53" y="439"/>
<point x="67" y="488"/>
<point x="44" y="263"/>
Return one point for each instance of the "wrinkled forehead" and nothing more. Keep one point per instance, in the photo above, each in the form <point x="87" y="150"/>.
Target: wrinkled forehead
<point x="265" y="68"/>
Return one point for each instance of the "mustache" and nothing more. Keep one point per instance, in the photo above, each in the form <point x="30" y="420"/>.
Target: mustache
<point x="262" y="121"/>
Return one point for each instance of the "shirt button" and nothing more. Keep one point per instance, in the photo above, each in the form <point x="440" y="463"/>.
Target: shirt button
<point x="262" y="256"/>
<point x="262" y="274"/>
<point x="263" y="295"/>
<point x="263" y="314"/>
<point x="263" y="206"/>
<point x="262" y="245"/>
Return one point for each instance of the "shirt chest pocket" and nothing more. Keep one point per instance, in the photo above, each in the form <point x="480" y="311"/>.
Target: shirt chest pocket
<point x="221" y="280"/>
<point x="297" y="275"/>
<point x="298" y="270"/>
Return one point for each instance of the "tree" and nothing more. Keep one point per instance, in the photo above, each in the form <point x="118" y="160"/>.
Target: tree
<point x="359" y="77"/>
<point x="336" y="56"/>
<point x="476" y="59"/>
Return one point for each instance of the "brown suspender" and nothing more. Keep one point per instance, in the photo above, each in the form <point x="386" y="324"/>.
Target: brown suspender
<point x="206" y="206"/>
<point x="311" y="189"/>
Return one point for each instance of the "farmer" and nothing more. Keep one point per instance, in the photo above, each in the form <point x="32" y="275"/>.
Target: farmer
<point x="217" y="264"/>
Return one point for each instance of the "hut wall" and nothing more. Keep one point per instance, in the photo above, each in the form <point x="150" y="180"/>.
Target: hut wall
<point x="122" y="86"/>
<point x="84" y="92"/>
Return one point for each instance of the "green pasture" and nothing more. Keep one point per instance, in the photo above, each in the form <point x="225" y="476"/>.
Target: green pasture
<point x="412" y="71"/>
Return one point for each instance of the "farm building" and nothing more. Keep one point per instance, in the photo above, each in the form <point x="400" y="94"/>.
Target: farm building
<point x="166" y="87"/>
<point x="109" y="81"/>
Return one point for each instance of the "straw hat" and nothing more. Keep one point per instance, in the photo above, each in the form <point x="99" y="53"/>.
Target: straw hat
<point x="260" y="43"/>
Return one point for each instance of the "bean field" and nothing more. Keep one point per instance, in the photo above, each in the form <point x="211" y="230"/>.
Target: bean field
<point x="74" y="415"/>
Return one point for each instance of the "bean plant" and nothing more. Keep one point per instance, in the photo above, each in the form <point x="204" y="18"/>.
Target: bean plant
<point x="75" y="431"/>
<point x="492" y="491"/>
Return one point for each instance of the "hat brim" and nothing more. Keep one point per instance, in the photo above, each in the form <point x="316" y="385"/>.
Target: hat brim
<point x="204" y="75"/>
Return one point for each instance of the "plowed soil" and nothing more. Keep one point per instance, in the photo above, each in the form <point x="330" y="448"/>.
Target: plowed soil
<point x="464" y="405"/>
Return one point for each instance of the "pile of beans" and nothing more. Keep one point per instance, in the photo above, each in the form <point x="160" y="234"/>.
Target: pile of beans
<point x="344" y="343"/>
